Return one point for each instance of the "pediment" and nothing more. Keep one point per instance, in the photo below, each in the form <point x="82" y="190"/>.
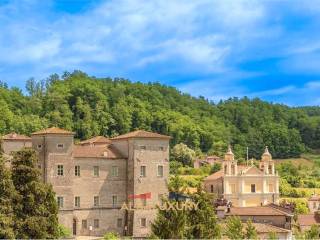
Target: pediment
<point x="253" y="170"/>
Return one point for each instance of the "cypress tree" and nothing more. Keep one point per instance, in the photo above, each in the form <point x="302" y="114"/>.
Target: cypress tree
<point x="7" y="192"/>
<point x="169" y="224"/>
<point x="35" y="205"/>
<point x="202" y="220"/>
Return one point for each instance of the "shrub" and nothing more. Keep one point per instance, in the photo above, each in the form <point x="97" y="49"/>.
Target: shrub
<point x="111" y="236"/>
<point x="63" y="232"/>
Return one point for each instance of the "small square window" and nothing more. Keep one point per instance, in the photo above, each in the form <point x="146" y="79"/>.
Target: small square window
<point x="96" y="223"/>
<point x="84" y="224"/>
<point x="77" y="201"/>
<point x="60" y="202"/>
<point x="143" y="171"/>
<point x="60" y="170"/>
<point x="143" y="222"/>
<point x="60" y="146"/>
<point x="96" y="171"/>
<point x="119" y="222"/>
<point x="96" y="201"/>
<point x="39" y="146"/>
<point x="161" y="148"/>
<point x="160" y="171"/>
<point x="77" y="171"/>
<point x="114" y="171"/>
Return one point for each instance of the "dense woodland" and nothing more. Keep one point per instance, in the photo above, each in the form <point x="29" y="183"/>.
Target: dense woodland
<point x="90" y="106"/>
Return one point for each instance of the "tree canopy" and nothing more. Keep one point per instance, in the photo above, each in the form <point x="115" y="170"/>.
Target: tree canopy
<point x="104" y="106"/>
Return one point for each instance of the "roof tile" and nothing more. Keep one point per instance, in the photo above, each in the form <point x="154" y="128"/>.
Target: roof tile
<point x="16" y="137"/>
<point x="101" y="151"/>
<point x="96" y="140"/>
<point x="53" y="130"/>
<point x="141" y="134"/>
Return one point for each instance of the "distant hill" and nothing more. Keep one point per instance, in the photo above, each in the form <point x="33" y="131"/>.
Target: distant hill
<point x="91" y="106"/>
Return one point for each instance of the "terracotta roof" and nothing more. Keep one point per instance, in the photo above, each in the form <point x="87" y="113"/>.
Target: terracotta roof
<point x="53" y="130"/>
<point x="141" y="134"/>
<point x="102" y="151"/>
<point x="15" y="136"/>
<point x="215" y="175"/>
<point x="314" y="198"/>
<point x="308" y="219"/>
<point x="267" y="228"/>
<point x="96" y="140"/>
<point x="257" y="211"/>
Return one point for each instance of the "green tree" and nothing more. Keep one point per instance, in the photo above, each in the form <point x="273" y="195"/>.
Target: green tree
<point x="35" y="207"/>
<point x="7" y="195"/>
<point x="215" y="168"/>
<point x="202" y="220"/>
<point x="251" y="232"/>
<point x="182" y="153"/>
<point x="176" y="184"/>
<point x="313" y="232"/>
<point x="272" y="236"/>
<point x="234" y="228"/>
<point x="170" y="224"/>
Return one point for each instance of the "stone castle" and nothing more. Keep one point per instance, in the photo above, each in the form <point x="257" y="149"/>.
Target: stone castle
<point x="93" y="179"/>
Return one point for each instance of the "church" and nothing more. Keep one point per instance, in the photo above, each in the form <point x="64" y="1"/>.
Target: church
<point x="245" y="185"/>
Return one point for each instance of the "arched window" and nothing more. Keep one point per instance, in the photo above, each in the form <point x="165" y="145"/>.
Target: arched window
<point x="225" y="169"/>
<point x="270" y="169"/>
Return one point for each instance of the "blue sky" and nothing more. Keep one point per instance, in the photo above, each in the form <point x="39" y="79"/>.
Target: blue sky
<point x="217" y="49"/>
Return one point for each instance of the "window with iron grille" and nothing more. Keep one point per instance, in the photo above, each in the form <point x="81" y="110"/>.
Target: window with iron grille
<point x="60" y="170"/>
<point x="77" y="171"/>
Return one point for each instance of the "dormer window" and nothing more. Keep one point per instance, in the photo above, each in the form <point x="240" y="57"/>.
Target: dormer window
<point x="60" y="146"/>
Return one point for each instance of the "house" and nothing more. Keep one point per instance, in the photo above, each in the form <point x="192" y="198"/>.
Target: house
<point x="94" y="179"/>
<point x="245" y="185"/>
<point x="314" y="203"/>
<point x="305" y="221"/>
<point x="264" y="230"/>
<point x="13" y="141"/>
<point x="209" y="160"/>
<point x="266" y="219"/>
<point x="270" y="214"/>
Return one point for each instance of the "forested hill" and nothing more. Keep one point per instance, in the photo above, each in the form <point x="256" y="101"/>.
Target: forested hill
<point x="91" y="106"/>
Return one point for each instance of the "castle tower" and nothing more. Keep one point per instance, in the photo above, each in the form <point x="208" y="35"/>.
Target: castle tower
<point x="229" y="164"/>
<point x="147" y="175"/>
<point x="267" y="164"/>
